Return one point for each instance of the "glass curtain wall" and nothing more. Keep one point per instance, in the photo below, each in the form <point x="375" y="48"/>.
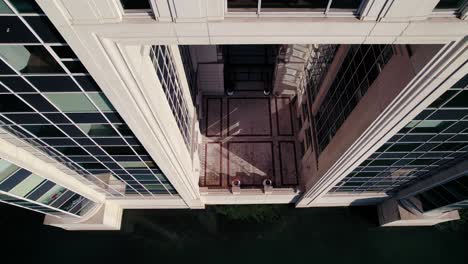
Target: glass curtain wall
<point x="163" y="62"/>
<point x="360" y="68"/>
<point x="22" y="188"/>
<point x="433" y="140"/>
<point x="48" y="98"/>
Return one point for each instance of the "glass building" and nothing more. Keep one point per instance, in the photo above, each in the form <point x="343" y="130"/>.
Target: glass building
<point x="150" y="104"/>
<point x="48" y="99"/>
<point x="22" y="188"/>
<point x="435" y="139"/>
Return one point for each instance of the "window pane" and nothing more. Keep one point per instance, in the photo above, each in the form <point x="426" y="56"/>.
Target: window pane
<point x="17" y="84"/>
<point x="11" y="103"/>
<point x="87" y="83"/>
<point x="243" y="4"/>
<point x="75" y="67"/>
<point x="135" y="4"/>
<point x="6" y="169"/>
<point x="72" y="151"/>
<point x="44" y="131"/>
<point x="294" y="4"/>
<point x="12" y="30"/>
<point x="54" y="83"/>
<point x="64" y="52"/>
<point x="27" y="185"/>
<point x="26" y="6"/>
<point x="51" y="195"/>
<point x="102" y="102"/>
<point x="4" y="9"/>
<point x="5" y="69"/>
<point x="449" y="4"/>
<point x="118" y="150"/>
<point x="346" y="4"/>
<point x="461" y="100"/>
<point x="70" y="102"/>
<point x="45" y="29"/>
<point x="98" y="130"/>
<point x="30" y="59"/>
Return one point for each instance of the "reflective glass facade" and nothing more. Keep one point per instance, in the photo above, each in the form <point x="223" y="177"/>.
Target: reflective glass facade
<point x="49" y="99"/>
<point x="361" y="66"/>
<point x="163" y="62"/>
<point x="435" y="139"/>
<point x="446" y="196"/>
<point x="22" y="188"/>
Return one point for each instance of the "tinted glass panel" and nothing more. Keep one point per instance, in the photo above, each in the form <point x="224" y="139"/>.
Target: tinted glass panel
<point x="75" y="67"/>
<point x="26" y="6"/>
<point x="5" y="69"/>
<point x="30" y="59"/>
<point x="294" y="4"/>
<point x="17" y="84"/>
<point x="39" y="103"/>
<point x="27" y="185"/>
<point x="98" y="130"/>
<point x="71" y="102"/>
<point x="346" y="4"/>
<point x="449" y="4"/>
<point x="242" y="4"/>
<point x="45" y="131"/>
<point x="45" y="29"/>
<point x="87" y="83"/>
<point x="12" y="30"/>
<point x="135" y="4"/>
<point x="54" y="83"/>
<point x="4" y="9"/>
<point x="64" y="52"/>
<point x="11" y="103"/>
<point x="6" y="169"/>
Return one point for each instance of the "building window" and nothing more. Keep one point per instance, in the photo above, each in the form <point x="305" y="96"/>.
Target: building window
<point x="315" y="6"/>
<point x="136" y="5"/>
<point x="242" y="5"/>
<point x="450" y="4"/>
<point x="447" y="7"/>
<point x="22" y="188"/>
<point x="190" y="71"/>
<point x="434" y="140"/>
<point x="447" y="196"/>
<point x="49" y="100"/>
<point x="360" y="68"/>
<point x="317" y="67"/>
<point x="162" y="59"/>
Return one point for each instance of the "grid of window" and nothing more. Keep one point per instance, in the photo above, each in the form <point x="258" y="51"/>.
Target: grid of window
<point x="163" y="63"/>
<point x="447" y="196"/>
<point x="190" y="72"/>
<point x="318" y="6"/>
<point x="22" y="188"/>
<point x="316" y="68"/>
<point x="136" y="4"/>
<point x="48" y="99"/>
<point x="358" y="71"/>
<point x="451" y="5"/>
<point x="435" y="139"/>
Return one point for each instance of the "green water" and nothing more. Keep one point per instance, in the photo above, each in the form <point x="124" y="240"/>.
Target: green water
<point x="277" y="234"/>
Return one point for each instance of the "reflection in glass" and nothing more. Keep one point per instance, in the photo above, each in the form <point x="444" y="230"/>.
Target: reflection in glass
<point x="242" y="5"/>
<point x="30" y="59"/>
<point x="72" y="102"/>
<point x="26" y="6"/>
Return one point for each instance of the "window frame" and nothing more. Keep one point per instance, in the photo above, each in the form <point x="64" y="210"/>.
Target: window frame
<point x="328" y="12"/>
